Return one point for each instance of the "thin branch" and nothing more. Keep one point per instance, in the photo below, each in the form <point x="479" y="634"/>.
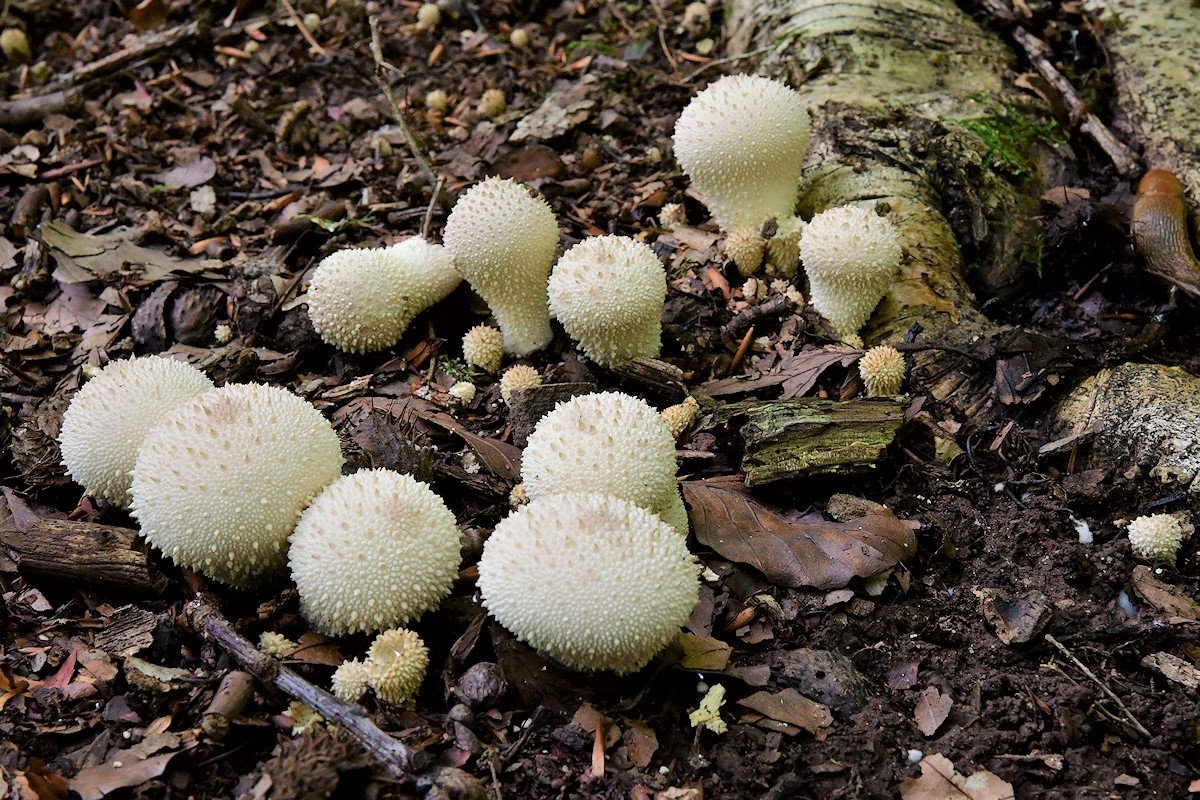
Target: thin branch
<point x="304" y="31"/>
<point x="729" y="60"/>
<point x="1103" y="686"/>
<point x="433" y="201"/>
<point x="381" y="69"/>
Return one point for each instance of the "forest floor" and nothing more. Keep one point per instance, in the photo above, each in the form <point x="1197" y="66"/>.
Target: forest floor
<point x="1022" y="641"/>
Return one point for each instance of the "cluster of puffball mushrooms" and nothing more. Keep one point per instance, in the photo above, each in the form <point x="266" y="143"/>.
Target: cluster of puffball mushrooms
<point x="244" y="481"/>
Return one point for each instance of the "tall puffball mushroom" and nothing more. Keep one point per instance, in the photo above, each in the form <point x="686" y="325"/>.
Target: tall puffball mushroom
<point x="503" y="241"/>
<point x="374" y="550"/>
<point x="219" y="484"/>
<point x="591" y="580"/>
<point x="611" y="443"/>
<point x="109" y="417"/>
<point x="741" y="141"/>
<point x="608" y="293"/>
<point x="363" y="299"/>
<point x="850" y="255"/>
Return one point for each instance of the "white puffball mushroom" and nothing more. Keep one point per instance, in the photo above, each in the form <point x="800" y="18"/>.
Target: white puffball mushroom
<point x="882" y="369"/>
<point x="15" y="45"/>
<point x="220" y="482"/>
<point x="429" y="16"/>
<point x="396" y="663"/>
<point x="591" y="580"/>
<point x="463" y="392"/>
<point x="350" y="681"/>
<point x="783" y="249"/>
<point x="516" y="377"/>
<point x="109" y="417"/>
<point x="850" y="254"/>
<point x="483" y="347"/>
<point x="503" y="241"/>
<point x="492" y="103"/>
<point x="681" y="416"/>
<point x="611" y="443"/>
<point x="437" y="101"/>
<point x="741" y="141"/>
<point x="1158" y="537"/>
<point x="519" y="38"/>
<point x="608" y="293"/>
<point x="696" y="19"/>
<point x="373" y="551"/>
<point x="745" y="247"/>
<point x="361" y="300"/>
<point x="672" y="216"/>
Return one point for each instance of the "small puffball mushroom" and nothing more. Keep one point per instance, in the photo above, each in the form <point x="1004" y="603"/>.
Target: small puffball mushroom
<point x="429" y="16"/>
<point x="276" y="644"/>
<point x="437" y="101"/>
<point x="109" y="417"/>
<point x="373" y="551"/>
<point x="882" y="369"/>
<point x="696" y="19"/>
<point x="492" y="104"/>
<point x="742" y="142"/>
<point x="463" y="392"/>
<point x="15" y="45"/>
<point x="672" y="216"/>
<point x="519" y="38"/>
<point x="1158" y="537"/>
<point x="503" y="241"/>
<point x="611" y="443"/>
<point x="590" y="580"/>
<point x="364" y="299"/>
<point x="220" y="482"/>
<point x="680" y="417"/>
<point x="483" y="347"/>
<point x="850" y="254"/>
<point x="518" y="377"/>
<point x="395" y="665"/>
<point x="745" y="247"/>
<point x="608" y="293"/>
<point x="350" y="681"/>
<point x="783" y="249"/>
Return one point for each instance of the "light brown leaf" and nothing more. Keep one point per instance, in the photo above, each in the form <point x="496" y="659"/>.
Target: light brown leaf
<point x="791" y="707"/>
<point x="703" y="653"/>
<point x="121" y="771"/>
<point x="940" y="781"/>
<point x="1163" y="596"/>
<point x="798" y="373"/>
<point x="932" y="710"/>
<point x="86" y="256"/>
<point x="824" y="555"/>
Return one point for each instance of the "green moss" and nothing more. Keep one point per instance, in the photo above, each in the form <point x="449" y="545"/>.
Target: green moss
<point x="455" y="368"/>
<point x="1008" y="135"/>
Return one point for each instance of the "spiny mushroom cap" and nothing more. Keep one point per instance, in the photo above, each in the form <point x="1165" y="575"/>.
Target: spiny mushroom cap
<point x="608" y="293"/>
<point x="373" y="551"/>
<point x="503" y="241"/>
<point x="882" y="369"/>
<point x="350" y="681"/>
<point x="591" y="580"/>
<point x="742" y="142"/>
<point x="850" y="254"/>
<point x="680" y="417"/>
<point x="463" y="391"/>
<point x="745" y="247"/>
<point x="611" y="443"/>
<point x="483" y="347"/>
<point x="109" y="417"/>
<point x="275" y="644"/>
<point x="396" y="664"/>
<point x="219" y="484"/>
<point x="520" y="376"/>
<point x="1157" y="537"/>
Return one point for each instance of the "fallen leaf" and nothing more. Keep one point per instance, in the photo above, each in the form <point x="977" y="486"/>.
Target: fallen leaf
<point x="186" y="176"/>
<point x="566" y="106"/>
<point x="702" y="653"/>
<point x="823" y="555"/>
<point x="1174" y="669"/>
<point x="1016" y="620"/>
<point x="529" y="163"/>
<point x="1162" y="596"/>
<point x="932" y="710"/>
<point x="317" y="649"/>
<point x="940" y="781"/>
<point x="798" y="373"/>
<point x="84" y="257"/>
<point x="641" y="743"/>
<point x="791" y="707"/>
<point x="121" y="771"/>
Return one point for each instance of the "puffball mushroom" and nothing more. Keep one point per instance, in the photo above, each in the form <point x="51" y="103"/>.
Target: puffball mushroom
<point x="745" y="247"/>
<point x="591" y="580"/>
<point x="363" y="299"/>
<point x="520" y="376"/>
<point x="373" y="551"/>
<point x="503" y="241"/>
<point x="492" y="103"/>
<point x="882" y="370"/>
<point x="681" y="416"/>
<point x="608" y="293"/>
<point x="395" y="666"/>
<point x="850" y="254"/>
<point x="611" y="443"/>
<point x="741" y="141"/>
<point x="483" y="347"/>
<point x="220" y="482"/>
<point x="350" y="681"/>
<point x="1158" y="537"/>
<point x="109" y="417"/>
<point x="437" y="101"/>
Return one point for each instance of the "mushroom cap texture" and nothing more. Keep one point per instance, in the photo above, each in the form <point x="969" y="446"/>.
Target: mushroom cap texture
<point x="275" y="644"/>
<point x="746" y="248"/>
<point x="681" y="416"/>
<point x="373" y="551"/>
<point x="742" y="142"/>
<point x="503" y="241"/>
<point x="1157" y="537"/>
<point x="610" y="443"/>
<point x="350" y="681"/>
<point x="396" y="663"/>
<point x="483" y="347"/>
<point x="520" y="376"/>
<point x="220" y="483"/>
<point x="591" y="580"/>
<point x="109" y="417"/>
<point x="608" y="293"/>
<point x="363" y="299"/>
<point x="850" y="254"/>
<point x="882" y="369"/>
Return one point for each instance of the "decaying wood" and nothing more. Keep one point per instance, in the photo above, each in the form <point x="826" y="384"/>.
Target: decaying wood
<point x="527" y="406"/>
<point x="85" y="552"/>
<point x="28" y="110"/>
<point x="658" y="378"/>
<point x="234" y="692"/>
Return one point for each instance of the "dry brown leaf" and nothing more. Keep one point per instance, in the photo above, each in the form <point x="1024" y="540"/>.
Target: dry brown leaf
<point x="824" y="555"/>
<point x="932" y="710"/>
<point x="1163" y="596"/>
<point x="791" y="707"/>
<point x="798" y="373"/>
<point x="84" y="257"/>
<point x="940" y="781"/>
<point x="1174" y="669"/>
<point x="702" y="653"/>
<point x="640" y="742"/>
<point x="1016" y="620"/>
<point x="186" y="176"/>
<point x="121" y="771"/>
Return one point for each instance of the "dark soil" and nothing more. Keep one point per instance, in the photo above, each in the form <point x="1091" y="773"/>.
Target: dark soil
<point x="293" y="135"/>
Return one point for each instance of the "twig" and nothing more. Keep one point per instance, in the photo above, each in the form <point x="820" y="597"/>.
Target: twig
<point x="728" y="60"/>
<point x="147" y="45"/>
<point x="1103" y="686"/>
<point x="304" y="31"/>
<point x="433" y="201"/>
<point x="773" y="307"/>
<point x="381" y="70"/>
